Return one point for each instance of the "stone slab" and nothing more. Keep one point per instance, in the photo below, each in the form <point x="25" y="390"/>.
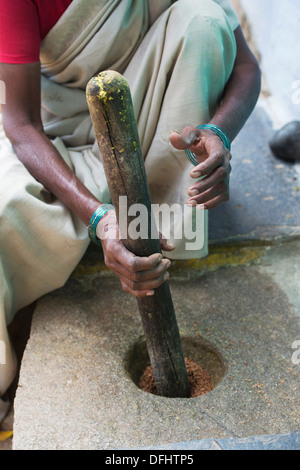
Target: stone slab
<point x="75" y="391"/>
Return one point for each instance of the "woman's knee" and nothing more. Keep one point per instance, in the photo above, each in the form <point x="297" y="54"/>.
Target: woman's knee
<point x="203" y="36"/>
<point x="204" y="17"/>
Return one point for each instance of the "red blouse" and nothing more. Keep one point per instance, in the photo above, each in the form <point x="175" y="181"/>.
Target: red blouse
<point x="23" y="24"/>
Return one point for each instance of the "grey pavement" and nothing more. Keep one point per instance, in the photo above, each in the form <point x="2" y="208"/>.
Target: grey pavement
<point x="265" y="192"/>
<point x="238" y="315"/>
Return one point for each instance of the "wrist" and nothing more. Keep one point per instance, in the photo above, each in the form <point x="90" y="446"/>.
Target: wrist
<point x="100" y="212"/>
<point x="218" y="131"/>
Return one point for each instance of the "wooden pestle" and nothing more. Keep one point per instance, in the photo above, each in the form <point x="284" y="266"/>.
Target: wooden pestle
<point x="110" y="105"/>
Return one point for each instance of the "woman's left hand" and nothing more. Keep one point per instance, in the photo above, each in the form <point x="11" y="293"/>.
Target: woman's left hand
<point x="213" y="166"/>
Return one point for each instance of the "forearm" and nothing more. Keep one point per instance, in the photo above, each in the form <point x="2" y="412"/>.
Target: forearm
<point x="43" y="161"/>
<point x="239" y="99"/>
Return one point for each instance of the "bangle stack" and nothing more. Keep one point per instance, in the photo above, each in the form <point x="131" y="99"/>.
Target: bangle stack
<point x="220" y="133"/>
<point x="95" y="219"/>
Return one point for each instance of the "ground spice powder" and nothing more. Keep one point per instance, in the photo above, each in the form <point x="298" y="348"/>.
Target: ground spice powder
<point x="198" y="377"/>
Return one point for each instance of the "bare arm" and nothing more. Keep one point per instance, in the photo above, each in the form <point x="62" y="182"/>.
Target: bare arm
<point x="240" y="97"/>
<point x="23" y="126"/>
<point x="242" y="90"/>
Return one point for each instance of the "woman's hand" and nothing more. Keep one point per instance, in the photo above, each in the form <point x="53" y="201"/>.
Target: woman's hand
<point x="239" y="99"/>
<point x="138" y="275"/>
<point x="213" y="166"/>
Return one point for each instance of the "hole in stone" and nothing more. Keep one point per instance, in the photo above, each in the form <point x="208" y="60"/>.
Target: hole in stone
<point x="202" y="357"/>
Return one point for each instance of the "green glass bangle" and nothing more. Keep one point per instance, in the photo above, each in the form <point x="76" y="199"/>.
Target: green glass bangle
<point x="217" y="130"/>
<point x="95" y="219"/>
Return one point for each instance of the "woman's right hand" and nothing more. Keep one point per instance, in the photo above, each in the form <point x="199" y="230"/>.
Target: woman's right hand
<point x="138" y="275"/>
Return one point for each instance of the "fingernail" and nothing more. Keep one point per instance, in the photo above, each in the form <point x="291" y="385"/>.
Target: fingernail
<point x="170" y="244"/>
<point x="166" y="276"/>
<point x="200" y="207"/>
<point x="196" y="174"/>
<point x="191" y="203"/>
<point x="168" y="264"/>
<point x="193" y="192"/>
<point x="174" y="131"/>
<point x="150" y="293"/>
<point x="158" y="260"/>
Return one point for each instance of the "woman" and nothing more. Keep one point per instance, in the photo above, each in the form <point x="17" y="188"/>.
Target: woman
<point x="187" y="63"/>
